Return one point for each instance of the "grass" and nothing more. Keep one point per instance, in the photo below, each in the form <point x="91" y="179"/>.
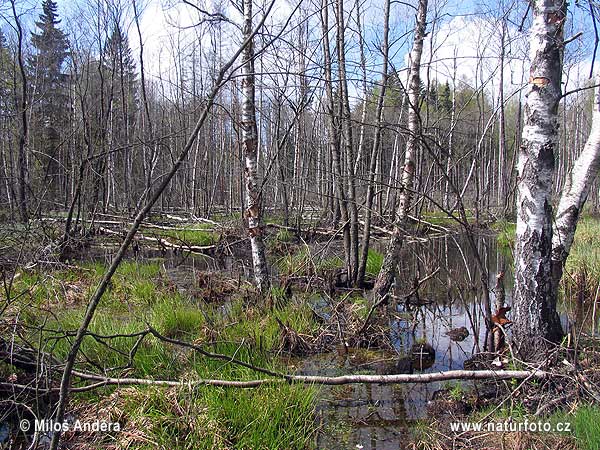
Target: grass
<point x="374" y="262"/>
<point x="196" y="234"/>
<point x="303" y="262"/>
<point x="506" y="235"/>
<point x="269" y="417"/>
<point x="585" y="251"/>
<point x="284" y="235"/>
<point x="587" y="427"/>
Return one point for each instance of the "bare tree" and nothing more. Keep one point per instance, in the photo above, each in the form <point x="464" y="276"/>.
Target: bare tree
<point x="376" y="144"/>
<point x="250" y="149"/>
<point x="387" y="274"/>
<point x="23" y="132"/>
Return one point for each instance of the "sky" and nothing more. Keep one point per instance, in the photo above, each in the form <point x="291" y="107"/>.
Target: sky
<point x="467" y="30"/>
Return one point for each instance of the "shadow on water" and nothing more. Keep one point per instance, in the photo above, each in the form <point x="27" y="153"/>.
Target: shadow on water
<point x="376" y="416"/>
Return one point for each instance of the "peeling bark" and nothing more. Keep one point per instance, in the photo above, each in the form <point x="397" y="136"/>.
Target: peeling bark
<point x="536" y="321"/>
<point x="250" y="150"/>
<point x="387" y="274"/>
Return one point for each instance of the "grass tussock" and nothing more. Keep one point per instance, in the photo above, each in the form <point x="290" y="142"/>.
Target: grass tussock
<point x="585" y="251"/>
<point x="303" y="262"/>
<point x="269" y="417"/>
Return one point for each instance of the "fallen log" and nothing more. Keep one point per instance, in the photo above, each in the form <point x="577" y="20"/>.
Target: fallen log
<point x="419" y="378"/>
<point x="200" y="249"/>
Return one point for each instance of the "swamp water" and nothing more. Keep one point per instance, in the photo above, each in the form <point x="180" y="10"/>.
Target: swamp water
<point x="379" y="417"/>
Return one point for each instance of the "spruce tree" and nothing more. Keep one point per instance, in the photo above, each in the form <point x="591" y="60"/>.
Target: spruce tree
<point x="50" y="96"/>
<point x="51" y="50"/>
<point x="120" y="67"/>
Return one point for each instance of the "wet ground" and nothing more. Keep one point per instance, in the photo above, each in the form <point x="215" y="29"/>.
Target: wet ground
<point x="375" y="417"/>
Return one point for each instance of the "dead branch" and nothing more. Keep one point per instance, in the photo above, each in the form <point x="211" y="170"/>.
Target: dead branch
<point x="331" y="381"/>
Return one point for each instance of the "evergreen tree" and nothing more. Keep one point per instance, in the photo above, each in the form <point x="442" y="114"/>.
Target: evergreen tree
<point x="120" y="68"/>
<point x="49" y="97"/>
<point x="51" y="51"/>
<point x="120" y="71"/>
<point x="446" y="98"/>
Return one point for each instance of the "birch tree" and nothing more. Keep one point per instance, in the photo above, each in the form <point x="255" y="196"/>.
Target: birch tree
<point x="575" y="192"/>
<point x="387" y="273"/>
<point x="536" y="321"/>
<point x="250" y="151"/>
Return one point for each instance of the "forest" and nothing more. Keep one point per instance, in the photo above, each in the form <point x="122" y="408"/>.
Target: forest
<point x="299" y="224"/>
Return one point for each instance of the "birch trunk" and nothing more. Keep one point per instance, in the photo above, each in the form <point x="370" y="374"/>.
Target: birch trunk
<point x="387" y="273"/>
<point x="575" y="192"/>
<point x="536" y="321"/>
<point x="250" y="150"/>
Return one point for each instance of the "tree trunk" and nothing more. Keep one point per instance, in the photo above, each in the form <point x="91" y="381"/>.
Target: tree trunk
<point x="21" y="158"/>
<point x="376" y="145"/>
<point x="347" y="139"/>
<point x="334" y="139"/>
<point x="536" y="322"/>
<point x="387" y="273"/>
<point x="250" y="149"/>
<point x="575" y="192"/>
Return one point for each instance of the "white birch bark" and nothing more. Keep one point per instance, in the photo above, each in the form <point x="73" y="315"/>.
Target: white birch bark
<point x="387" y="273"/>
<point x="534" y="314"/>
<point x="575" y="192"/>
<point x="250" y="151"/>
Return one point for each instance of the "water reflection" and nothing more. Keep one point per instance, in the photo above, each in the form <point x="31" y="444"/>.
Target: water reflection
<point x="379" y="416"/>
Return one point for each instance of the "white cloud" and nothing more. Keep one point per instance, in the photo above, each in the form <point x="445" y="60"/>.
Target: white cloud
<point x="476" y="44"/>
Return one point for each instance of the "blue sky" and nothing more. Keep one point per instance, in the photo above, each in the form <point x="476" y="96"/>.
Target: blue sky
<point x="467" y="29"/>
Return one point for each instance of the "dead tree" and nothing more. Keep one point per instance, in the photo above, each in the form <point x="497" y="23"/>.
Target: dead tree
<point x="387" y="273"/>
<point x="376" y="145"/>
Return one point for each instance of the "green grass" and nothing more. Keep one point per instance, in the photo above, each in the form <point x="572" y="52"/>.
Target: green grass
<point x="374" y="262"/>
<point x="585" y="251"/>
<point x="195" y="234"/>
<point x="269" y="417"/>
<point x="284" y="235"/>
<point x="587" y="427"/>
<point x="302" y="262"/>
<point x="437" y="217"/>
<point x="506" y="235"/>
